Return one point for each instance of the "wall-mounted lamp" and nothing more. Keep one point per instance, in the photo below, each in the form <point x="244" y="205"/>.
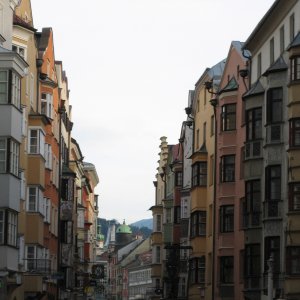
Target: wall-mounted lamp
<point x="163" y="174"/>
<point x="209" y="87"/>
<point x="181" y="140"/>
<point x="213" y="102"/>
<point x="188" y="111"/>
<point x="244" y="73"/>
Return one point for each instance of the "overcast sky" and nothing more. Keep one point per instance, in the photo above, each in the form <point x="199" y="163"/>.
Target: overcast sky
<point x="130" y="65"/>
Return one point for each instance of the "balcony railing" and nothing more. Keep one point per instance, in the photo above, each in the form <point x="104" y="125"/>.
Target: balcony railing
<point x="38" y="265"/>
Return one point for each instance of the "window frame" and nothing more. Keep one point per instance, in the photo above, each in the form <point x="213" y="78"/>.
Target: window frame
<point x="251" y="124"/>
<point x="295" y="68"/>
<point x="199" y="174"/>
<point x="293" y="260"/>
<point x="294" y="132"/>
<point x="274" y="98"/>
<point x="292" y="195"/>
<point x="9" y="227"/>
<point x="198" y="223"/>
<point x="11" y="156"/>
<point x="39" y="147"/>
<point x="47" y="104"/>
<point x="226" y="218"/>
<point x="226" y="268"/>
<point x="252" y="260"/>
<point x="226" y="167"/>
<point x="197" y="270"/>
<point x="226" y="115"/>
<point x="178" y="178"/>
<point x="252" y="203"/>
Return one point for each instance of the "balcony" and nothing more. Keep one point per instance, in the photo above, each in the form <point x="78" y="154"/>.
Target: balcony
<point x="40" y="266"/>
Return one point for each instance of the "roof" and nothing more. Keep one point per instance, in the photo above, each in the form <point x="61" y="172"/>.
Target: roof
<point x="18" y="21"/>
<point x="256" y="89"/>
<point x="232" y="85"/>
<point x="295" y="42"/>
<point x="124" y="229"/>
<point x="278" y="66"/>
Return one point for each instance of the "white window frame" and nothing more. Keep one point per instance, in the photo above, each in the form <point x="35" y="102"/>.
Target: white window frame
<point x="21" y="50"/>
<point x="23" y="185"/>
<point x="4" y="82"/>
<point x="35" y="199"/>
<point x="47" y="210"/>
<point x="16" y="90"/>
<point x="13" y="156"/>
<point x="48" y="156"/>
<point x="47" y="104"/>
<point x="39" y="147"/>
<point x="24" y="121"/>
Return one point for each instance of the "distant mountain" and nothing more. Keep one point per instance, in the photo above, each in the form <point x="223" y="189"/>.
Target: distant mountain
<point x="143" y="223"/>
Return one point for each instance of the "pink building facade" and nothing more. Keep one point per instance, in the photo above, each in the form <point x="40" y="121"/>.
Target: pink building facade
<point x="229" y="237"/>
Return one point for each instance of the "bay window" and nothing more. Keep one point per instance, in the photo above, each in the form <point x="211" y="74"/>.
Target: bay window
<point x="293" y="260"/>
<point x="9" y="156"/>
<point x="252" y="208"/>
<point x="228" y="117"/>
<point x="35" y="200"/>
<point x="198" y="223"/>
<point x="226" y="269"/>
<point x="294" y="196"/>
<point x="199" y="174"/>
<point x="8" y="227"/>
<point x="10" y="88"/>
<point x="197" y="269"/>
<point x="295" y="68"/>
<point x="36" y="144"/>
<point x="47" y="105"/>
<point x="295" y="132"/>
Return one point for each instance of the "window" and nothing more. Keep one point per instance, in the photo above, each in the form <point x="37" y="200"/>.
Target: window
<point x="258" y="65"/>
<point x="158" y="222"/>
<point x="254" y="124"/>
<point x="228" y="117"/>
<point x="226" y="269"/>
<point x="273" y="190"/>
<point x="16" y="90"/>
<point x="295" y="132"/>
<point x="293" y="260"/>
<point x="177" y="212"/>
<point x="252" y="261"/>
<point x="295" y="68"/>
<point x="3" y="87"/>
<point x="228" y="168"/>
<point x="157" y="255"/>
<point x="252" y="203"/>
<point x="274" y="105"/>
<point x="36" y="143"/>
<point x="294" y="196"/>
<point x="197" y="269"/>
<point x="12" y="219"/>
<point x="212" y="125"/>
<point x="20" y="50"/>
<point x="198" y="223"/>
<point x="282" y="39"/>
<point x="184" y="208"/>
<point x="47" y="105"/>
<point x="8" y="227"/>
<point x="199" y="174"/>
<point x="2" y="226"/>
<point x="292" y="27"/>
<point x="168" y="217"/>
<point x="271" y="51"/>
<point x="48" y="156"/>
<point x="178" y="179"/>
<point x="30" y="257"/>
<point x="198" y="139"/>
<point x="227" y="218"/>
<point x="24" y="121"/>
<point x="272" y="247"/>
<point x="35" y="200"/>
<point x="9" y="156"/>
<point x="204" y="133"/>
<point x="31" y="89"/>
<point x="47" y="209"/>
<point x="10" y="88"/>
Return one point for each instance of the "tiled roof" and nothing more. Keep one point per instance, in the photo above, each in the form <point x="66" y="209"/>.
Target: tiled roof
<point x="18" y="21"/>
<point x="278" y="66"/>
<point x="295" y="42"/>
<point x="256" y="89"/>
